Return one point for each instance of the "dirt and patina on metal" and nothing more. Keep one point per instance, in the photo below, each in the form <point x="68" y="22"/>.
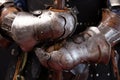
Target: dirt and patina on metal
<point x="110" y="26"/>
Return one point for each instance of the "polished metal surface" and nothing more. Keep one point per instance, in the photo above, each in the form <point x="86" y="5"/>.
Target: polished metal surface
<point x="46" y="26"/>
<point x="114" y="2"/>
<point x="95" y="49"/>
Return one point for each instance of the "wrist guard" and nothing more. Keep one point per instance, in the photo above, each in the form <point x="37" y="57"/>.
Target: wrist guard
<point x="110" y="26"/>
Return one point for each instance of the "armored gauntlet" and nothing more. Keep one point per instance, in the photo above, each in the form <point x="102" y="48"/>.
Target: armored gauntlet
<point x="28" y="29"/>
<point x="75" y="51"/>
<point x="92" y="46"/>
<point x="47" y="26"/>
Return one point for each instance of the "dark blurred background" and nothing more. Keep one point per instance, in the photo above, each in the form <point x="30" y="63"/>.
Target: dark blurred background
<point x="5" y="59"/>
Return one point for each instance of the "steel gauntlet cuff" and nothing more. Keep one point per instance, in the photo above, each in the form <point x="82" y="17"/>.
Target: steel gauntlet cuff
<point x="110" y="27"/>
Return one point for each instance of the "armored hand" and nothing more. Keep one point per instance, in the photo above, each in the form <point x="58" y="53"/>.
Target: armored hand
<point x="92" y="46"/>
<point x="43" y="25"/>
